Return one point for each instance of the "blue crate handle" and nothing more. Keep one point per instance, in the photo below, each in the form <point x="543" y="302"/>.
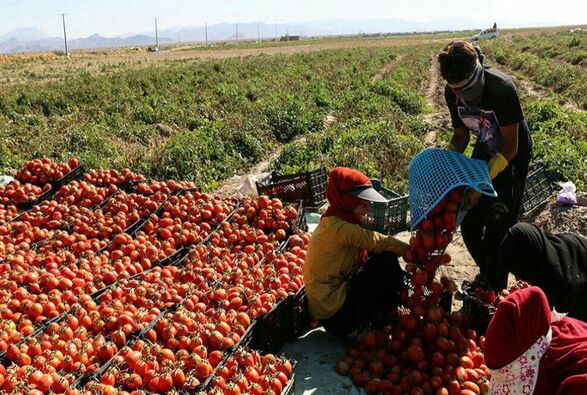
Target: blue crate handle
<point x="435" y="172"/>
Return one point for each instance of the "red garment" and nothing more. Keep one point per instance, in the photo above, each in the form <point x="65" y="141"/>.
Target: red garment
<point x="520" y="320"/>
<point x="343" y="204"/>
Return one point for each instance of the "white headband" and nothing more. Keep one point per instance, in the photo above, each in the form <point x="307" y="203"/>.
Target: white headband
<point x="470" y="79"/>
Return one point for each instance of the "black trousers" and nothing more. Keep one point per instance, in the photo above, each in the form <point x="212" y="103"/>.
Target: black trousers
<point x="555" y="263"/>
<point x="486" y="224"/>
<point x="522" y="252"/>
<point x="372" y="291"/>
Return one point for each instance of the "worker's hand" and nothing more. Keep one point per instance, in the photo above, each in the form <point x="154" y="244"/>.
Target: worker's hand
<point x="451" y="147"/>
<point x="497" y="164"/>
<point x="471" y="198"/>
<point x="402" y="248"/>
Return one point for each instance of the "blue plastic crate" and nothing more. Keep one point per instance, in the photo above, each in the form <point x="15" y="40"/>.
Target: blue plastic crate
<point x="435" y="172"/>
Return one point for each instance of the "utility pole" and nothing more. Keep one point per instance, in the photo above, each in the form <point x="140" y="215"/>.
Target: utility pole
<point x="237" y="32"/>
<point x="275" y="34"/>
<point x="65" y="34"/>
<point x="156" y="35"/>
<point x="258" y="34"/>
<point x="206" y="30"/>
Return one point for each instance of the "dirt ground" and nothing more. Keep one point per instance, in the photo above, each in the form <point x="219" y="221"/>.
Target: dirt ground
<point x="555" y="218"/>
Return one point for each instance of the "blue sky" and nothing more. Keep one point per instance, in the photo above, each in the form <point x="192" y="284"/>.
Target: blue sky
<point x="113" y="17"/>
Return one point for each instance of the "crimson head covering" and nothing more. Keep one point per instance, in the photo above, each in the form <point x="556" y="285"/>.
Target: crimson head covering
<point x="342" y="203"/>
<point x="521" y="319"/>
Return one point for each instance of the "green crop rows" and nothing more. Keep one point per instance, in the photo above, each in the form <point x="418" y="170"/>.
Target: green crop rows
<point x="208" y="120"/>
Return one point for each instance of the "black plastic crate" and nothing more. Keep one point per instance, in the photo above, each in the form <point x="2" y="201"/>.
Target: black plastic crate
<point x="387" y="218"/>
<point x="269" y="332"/>
<point x="298" y="315"/>
<point x="309" y="187"/>
<point x="540" y="187"/>
<point x="23" y="206"/>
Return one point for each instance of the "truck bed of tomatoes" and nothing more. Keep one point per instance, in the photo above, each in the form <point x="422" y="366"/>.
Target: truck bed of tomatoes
<point x="79" y="296"/>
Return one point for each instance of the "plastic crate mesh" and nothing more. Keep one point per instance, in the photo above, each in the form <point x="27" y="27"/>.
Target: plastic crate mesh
<point x="435" y="172"/>
<point x="539" y="188"/>
<point x="390" y="217"/>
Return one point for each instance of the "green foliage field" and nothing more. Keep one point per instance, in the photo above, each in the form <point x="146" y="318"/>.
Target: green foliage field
<point x="208" y="120"/>
<point x="554" y="60"/>
<point x="223" y="115"/>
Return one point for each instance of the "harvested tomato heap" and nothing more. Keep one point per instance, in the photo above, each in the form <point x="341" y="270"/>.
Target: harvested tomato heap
<point x="42" y="171"/>
<point x="15" y="192"/>
<point x="249" y="372"/>
<point x="104" y="177"/>
<point x="433" y="234"/>
<point x="490" y="298"/>
<point x="424" y="350"/>
<point x="149" y="288"/>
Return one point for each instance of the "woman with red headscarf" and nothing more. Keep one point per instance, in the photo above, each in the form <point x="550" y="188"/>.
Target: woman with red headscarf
<point x="531" y="350"/>
<point x="341" y="294"/>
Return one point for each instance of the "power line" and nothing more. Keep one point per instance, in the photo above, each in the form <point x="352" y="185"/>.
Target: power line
<point x="156" y="35"/>
<point x="64" y="34"/>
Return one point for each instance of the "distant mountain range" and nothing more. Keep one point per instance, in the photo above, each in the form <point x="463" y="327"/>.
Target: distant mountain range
<point x="34" y="40"/>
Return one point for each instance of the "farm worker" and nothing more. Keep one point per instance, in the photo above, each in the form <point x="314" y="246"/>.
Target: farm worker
<point x="485" y="102"/>
<point x="531" y="350"/>
<point x="555" y="263"/>
<point x="343" y="289"/>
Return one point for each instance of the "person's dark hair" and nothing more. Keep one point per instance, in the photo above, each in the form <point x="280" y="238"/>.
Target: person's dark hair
<point x="457" y="61"/>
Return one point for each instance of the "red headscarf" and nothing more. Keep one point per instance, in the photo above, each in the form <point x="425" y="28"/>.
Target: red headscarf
<point x="343" y="204"/>
<point x="520" y="320"/>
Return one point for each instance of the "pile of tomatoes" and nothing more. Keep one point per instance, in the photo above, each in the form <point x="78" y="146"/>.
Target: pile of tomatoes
<point x="42" y="171"/>
<point x="248" y="372"/>
<point x="433" y="234"/>
<point x="17" y="192"/>
<point x="105" y="177"/>
<point x="82" y="294"/>
<point x="423" y="350"/>
<point x="491" y="298"/>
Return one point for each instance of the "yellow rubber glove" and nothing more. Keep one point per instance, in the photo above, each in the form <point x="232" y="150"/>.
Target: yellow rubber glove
<point x="497" y="164"/>
<point x="451" y="147"/>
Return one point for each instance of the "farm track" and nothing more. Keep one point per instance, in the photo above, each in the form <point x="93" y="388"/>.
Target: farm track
<point x="388" y="68"/>
<point x="533" y="90"/>
<point x="434" y="95"/>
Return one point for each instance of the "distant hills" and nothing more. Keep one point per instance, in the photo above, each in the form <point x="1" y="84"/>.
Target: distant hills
<point x="34" y="40"/>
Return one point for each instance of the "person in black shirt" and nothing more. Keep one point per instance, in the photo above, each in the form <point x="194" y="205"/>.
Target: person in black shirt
<point x="485" y="102"/>
<point x="557" y="263"/>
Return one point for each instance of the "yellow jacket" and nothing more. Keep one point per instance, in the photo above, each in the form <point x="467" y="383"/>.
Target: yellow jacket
<point x="333" y="258"/>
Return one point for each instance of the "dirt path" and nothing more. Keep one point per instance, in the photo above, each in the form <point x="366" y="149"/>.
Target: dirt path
<point x="230" y="185"/>
<point x="434" y="95"/>
<point x="533" y="90"/>
<point x="388" y="68"/>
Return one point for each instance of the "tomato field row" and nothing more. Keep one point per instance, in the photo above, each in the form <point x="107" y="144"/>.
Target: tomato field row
<point x="565" y="79"/>
<point x="377" y="129"/>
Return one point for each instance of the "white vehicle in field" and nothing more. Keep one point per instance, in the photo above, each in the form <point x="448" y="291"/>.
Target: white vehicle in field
<point x="487" y="34"/>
